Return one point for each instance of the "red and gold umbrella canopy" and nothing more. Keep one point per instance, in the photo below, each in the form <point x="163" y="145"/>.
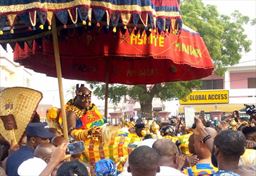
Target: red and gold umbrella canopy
<point x="127" y="58"/>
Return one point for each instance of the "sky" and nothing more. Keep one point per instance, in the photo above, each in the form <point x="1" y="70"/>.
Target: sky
<point x="226" y="7"/>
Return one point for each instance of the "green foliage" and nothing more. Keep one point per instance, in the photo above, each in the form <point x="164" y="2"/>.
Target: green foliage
<point x="115" y="93"/>
<point x="165" y="91"/>
<point x="253" y="21"/>
<point x="224" y="35"/>
<point x="139" y="92"/>
<point x="177" y="89"/>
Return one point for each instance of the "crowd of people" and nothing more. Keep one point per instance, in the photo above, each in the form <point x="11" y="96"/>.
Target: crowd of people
<point x="133" y="148"/>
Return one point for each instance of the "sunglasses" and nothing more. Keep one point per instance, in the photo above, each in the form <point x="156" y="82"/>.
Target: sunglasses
<point x="81" y="94"/>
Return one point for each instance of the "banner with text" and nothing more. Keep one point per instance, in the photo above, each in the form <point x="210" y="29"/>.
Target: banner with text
<point x="206" y="97"/>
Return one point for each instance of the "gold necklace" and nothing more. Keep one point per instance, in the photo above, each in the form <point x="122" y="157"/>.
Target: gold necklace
<point x="79" y="113"/>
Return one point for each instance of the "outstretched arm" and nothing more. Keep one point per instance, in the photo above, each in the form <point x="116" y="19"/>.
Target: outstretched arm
<point x="204" y="135"/>
<point x="57" y="157"/>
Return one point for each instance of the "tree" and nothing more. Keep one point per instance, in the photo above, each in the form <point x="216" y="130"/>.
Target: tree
<point x="224" y="37"/>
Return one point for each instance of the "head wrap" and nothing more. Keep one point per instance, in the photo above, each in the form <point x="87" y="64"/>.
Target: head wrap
<point x="105" y="167"/>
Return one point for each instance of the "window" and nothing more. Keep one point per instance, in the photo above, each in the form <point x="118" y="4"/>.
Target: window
<point x="212" y="84"/>
<point x="251" y="82"/>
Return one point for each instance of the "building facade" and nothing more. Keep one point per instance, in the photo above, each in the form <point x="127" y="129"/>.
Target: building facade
<point x="12" y="74"/>
<point x="239" y="81"/>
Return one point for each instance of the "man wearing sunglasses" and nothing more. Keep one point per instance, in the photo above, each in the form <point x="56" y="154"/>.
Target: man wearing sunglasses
<point x="81" y="112"/>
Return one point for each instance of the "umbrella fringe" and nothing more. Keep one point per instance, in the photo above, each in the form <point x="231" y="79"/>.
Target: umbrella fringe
<point x="149" y="15"/>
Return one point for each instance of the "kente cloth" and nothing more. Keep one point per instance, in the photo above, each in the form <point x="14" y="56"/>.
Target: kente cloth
<point x="200" y="169"/>
<point x="90" y="119"/>
<point x="117" y="149"/>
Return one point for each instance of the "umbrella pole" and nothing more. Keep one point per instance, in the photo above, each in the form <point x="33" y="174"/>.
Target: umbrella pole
<point x="106" y="101"/>
<point x="106" y="89"/>
<point x="59" y="76"/>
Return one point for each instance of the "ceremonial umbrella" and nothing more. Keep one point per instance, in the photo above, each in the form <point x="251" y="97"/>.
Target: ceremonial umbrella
<point x="127" y="58"/>
<point x="112" y="41"/>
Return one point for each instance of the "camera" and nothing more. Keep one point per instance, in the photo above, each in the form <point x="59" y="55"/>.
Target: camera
<point x="250" y="109"/>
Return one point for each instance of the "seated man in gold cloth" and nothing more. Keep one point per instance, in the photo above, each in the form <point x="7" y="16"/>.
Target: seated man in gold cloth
<point x="81" y="113"/>
<point x="85" y="123"/>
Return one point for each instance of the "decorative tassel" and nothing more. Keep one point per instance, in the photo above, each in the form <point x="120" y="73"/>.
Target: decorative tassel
<point x="84" y="22"/>
<point x="49" y="27"/>
<point x="41" y="27"/>
<point x="32" y="17"/>
<point x="125" y="27"/>
<point x="173" y="22"/>
<point x="90" y="23"/>
<point x="73" y="19"/>
<point x="175" y="31"/>
<point x="11" y="18"/>
<point x="1" y="32"/>
<point x="108" y="18"/>
<point x="179" y="23"/>
<point x="11" y="31"/>
<point x="49" y="18"/>
<point x="114" y="29"/>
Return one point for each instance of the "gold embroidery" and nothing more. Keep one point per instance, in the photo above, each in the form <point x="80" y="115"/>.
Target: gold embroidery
<point x="79" y="113"/>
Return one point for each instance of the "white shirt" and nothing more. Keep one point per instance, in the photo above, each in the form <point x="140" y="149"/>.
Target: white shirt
<point x="164" y="171"/>
<point x="32" y="167"/>
<point x="169" y="171"/>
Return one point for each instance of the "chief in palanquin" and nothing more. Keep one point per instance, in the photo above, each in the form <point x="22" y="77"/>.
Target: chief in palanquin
<point x="85" y="123"/>
<point x="81" y="113"/>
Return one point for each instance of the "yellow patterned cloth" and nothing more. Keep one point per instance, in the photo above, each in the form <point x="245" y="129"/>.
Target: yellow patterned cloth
<point x="184" y="142"/>
<point x="200" y="169"/>
<point x="117" y="149"/>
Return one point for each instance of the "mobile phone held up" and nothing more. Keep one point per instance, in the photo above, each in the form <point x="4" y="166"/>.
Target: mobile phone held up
<point x="76" y="147"/>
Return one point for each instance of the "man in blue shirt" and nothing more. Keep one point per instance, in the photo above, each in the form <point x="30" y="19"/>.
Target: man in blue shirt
<point x="36" y="133"/>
